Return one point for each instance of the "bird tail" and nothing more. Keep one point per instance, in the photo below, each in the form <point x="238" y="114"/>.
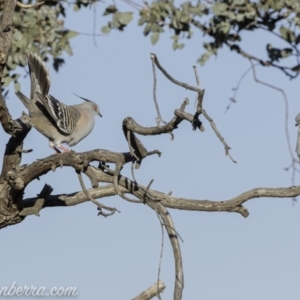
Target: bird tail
<point x="39" y="75"/>
<point x="23" y="98"/>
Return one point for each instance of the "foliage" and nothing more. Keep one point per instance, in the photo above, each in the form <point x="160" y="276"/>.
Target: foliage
<point x="223" y="22"/>
<point x="38" y="30"/>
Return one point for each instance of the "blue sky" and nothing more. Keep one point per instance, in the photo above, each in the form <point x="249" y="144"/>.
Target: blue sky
<point x="225" y="256"/>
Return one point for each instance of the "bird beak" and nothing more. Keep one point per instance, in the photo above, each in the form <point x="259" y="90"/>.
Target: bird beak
<point x="99" y="114"/>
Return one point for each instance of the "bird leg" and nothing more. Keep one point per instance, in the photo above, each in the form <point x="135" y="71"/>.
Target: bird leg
<point x="58" y="148"/>
<point x="61" y="149"/>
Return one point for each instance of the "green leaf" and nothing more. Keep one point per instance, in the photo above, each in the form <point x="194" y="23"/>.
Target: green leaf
<point x="185" y="6"/>
<point x="105" y="29"/>
<point x="17" y="86"/>
<point x="70" y="34"/>
<point x="147" y="29"/>
<point x="142" y="20"/>
<point x="124" y="18"/>
<point x="10" y="64"/>
<point x="224" y="27"/>
<point x="17" y="35"/>
<point x="204" y="57"/>
<point x="154" y="38"/>
<point x="6" y="81"/>
<point x="184" y="18"/>
<point x="110" y="10"/>
<point x="219" y="8"/>
<point x="68" y="49"/>
<point x="287" y="34"/>
<point x="76" y="7"/>
<point x="237" y="2"/>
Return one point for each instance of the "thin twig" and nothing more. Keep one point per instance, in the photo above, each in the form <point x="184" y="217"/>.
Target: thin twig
<point x="147" y="188"/>
<point x="94" y="26"/>
<point x="158" y="118"/>
<point x="215" y="129"/>
<point x="90" y="34"/>
<point x="236" y="89"/>
<point x="132" y="170"/>
<point x="286" y="103"/>
<point x="161" y="254"/>
<point x="199" y="100"/>
<point x="100" y="206"/>
<point x="210" y="120"/>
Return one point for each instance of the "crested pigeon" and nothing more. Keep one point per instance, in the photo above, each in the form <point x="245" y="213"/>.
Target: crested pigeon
<point x="58" y="122"/>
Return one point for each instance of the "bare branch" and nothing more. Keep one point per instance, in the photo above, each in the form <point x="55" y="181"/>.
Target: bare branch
<point x="78" y="161"/>
<point x="69" y="199"/>
<point x="100" y="206"/>
<point x="151" y="292"/>
<point x="182" y="84"/>
<point x="169" y="225"/>
<point x="195" y="121"/>
<point x="159" y="118"/>
<point x="236" y="88"/>
<point x="125" y="185"/>
<point x="215" y="129"/>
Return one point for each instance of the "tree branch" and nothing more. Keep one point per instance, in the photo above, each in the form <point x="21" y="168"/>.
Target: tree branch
<point x="169" y="225"/>
<point x="151" y="292"/>
<point x="126" y="185"/>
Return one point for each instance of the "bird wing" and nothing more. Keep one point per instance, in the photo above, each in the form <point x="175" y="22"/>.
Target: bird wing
<point x="65" y="117"/>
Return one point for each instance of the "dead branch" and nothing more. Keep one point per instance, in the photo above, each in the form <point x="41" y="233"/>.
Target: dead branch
<point x="169" y="225"/>
<point x="98" y="204"/>
<point x="182" y="84"/>
<point x="158" y="118"/>
<point x="195" y="122"/>
<point x="125" y="185"/>
<point x="151" y="292"/>
<point x="68" y="199"/>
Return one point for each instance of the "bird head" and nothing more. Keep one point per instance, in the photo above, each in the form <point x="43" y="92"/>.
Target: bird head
<point x="96" y="109"/>
<point x="92" y="105"/>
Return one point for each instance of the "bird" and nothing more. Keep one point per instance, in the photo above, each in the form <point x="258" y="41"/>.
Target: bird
<point x="55" y="120"/>
<point x="297" y="119"/>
